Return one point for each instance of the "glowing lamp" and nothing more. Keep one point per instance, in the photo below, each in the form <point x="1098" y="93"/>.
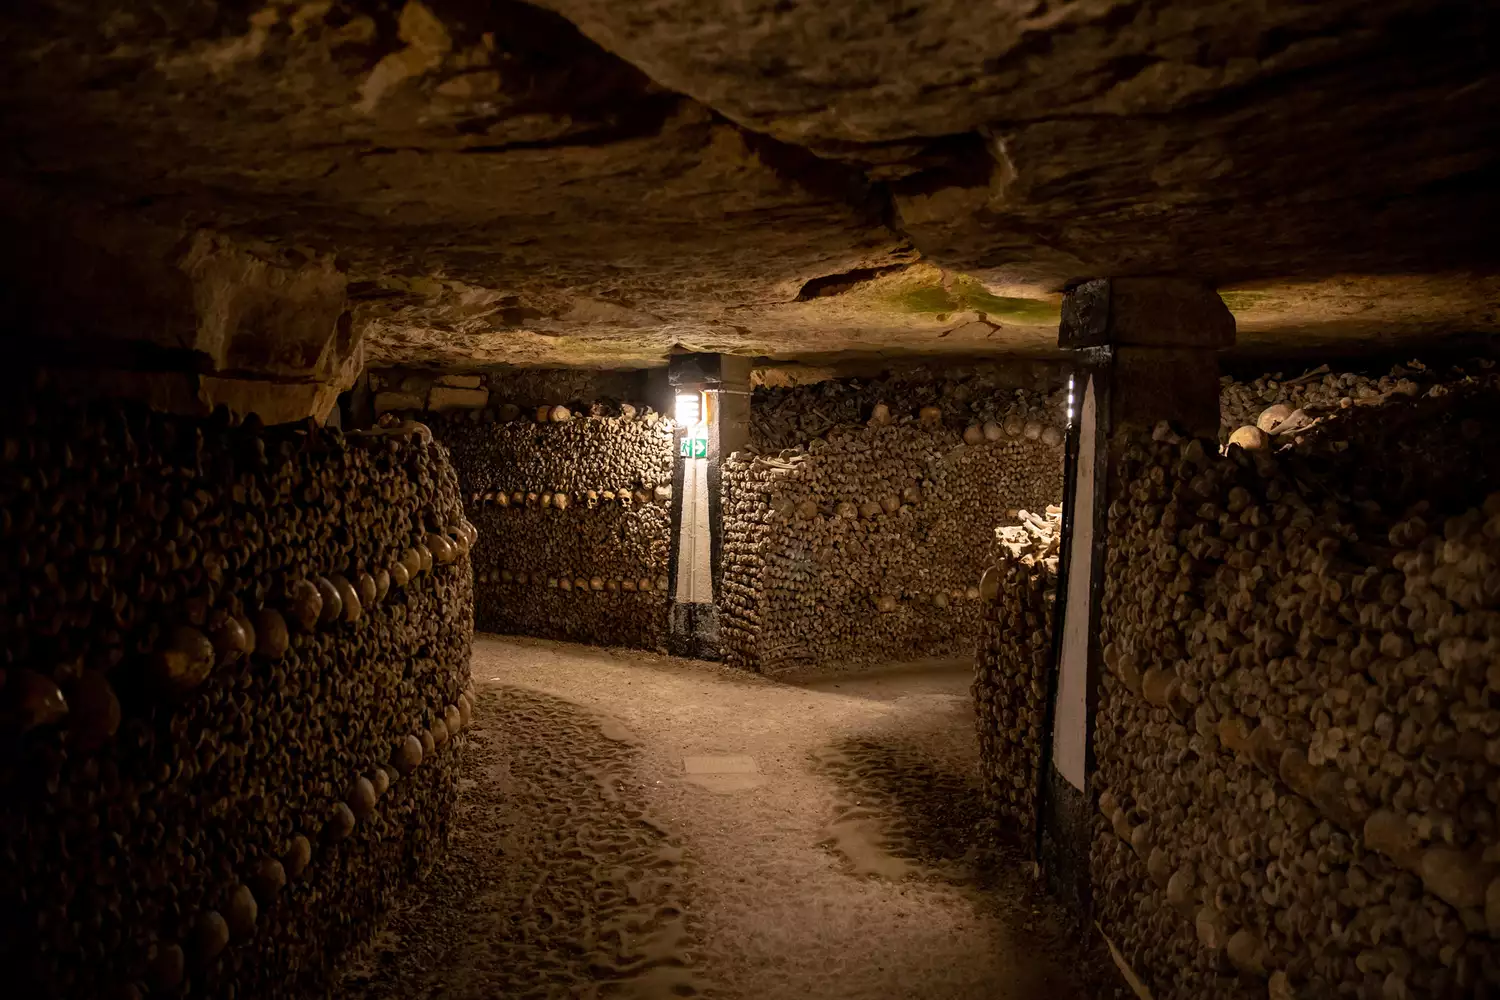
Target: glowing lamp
<point x="689" y="410"/>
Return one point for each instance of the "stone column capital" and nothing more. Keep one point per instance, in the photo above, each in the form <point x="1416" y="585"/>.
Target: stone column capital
<point x="1145" y="312"/>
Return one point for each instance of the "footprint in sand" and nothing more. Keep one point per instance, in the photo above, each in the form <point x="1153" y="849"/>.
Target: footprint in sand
<point x="557" y="883"/>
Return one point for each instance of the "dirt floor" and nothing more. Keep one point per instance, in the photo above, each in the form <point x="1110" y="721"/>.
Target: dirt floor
<point x="638" y="826"/>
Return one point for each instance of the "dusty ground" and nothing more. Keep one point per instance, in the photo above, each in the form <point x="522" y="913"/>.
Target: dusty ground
<point x="638" y="826"/>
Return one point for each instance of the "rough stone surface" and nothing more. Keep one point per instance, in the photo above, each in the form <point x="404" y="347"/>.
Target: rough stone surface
<point x="499" y="182"/>
<point x="444" y="397"/>
<point x="385" y="402"/>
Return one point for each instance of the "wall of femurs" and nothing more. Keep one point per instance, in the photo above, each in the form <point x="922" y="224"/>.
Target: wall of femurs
<point x="1298" y="733"/>
<point x="574" y="514"/>
<point x="234" y="679"/>
<point x="865" y="541"/>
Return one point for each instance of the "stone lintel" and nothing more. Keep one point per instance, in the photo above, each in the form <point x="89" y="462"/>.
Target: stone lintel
<point x="386" y="402"/>
<point x="708" y="371"/>
<point x="444" y="397"/>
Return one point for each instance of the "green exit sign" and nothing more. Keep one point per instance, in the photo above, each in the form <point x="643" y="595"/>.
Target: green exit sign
<point x="693" y="447"/>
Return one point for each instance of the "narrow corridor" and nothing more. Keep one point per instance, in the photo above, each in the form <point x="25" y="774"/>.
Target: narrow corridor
<point x="637" y="826"/>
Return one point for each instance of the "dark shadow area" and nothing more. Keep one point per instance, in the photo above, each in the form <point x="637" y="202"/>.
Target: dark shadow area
<point x="925" y="812"/>
<point x="837" y="284"/>
<point x="932" y="812"/>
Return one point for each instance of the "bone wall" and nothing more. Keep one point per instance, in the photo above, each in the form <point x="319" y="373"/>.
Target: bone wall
<point x="866" y="542"/>
<point x="574" y="518"/>
<point x="234" y="680"/>
<point x="1298" y="763"/>
<point x="1281" y="406"/>
<point x="1013" y="666"/>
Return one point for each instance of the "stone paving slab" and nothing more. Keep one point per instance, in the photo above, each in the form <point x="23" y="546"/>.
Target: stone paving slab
<point x="719" y="765"/>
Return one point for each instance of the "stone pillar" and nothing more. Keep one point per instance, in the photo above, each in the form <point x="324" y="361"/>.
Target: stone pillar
<point x="1145" y="350"/>
<point x="719" y="386"/>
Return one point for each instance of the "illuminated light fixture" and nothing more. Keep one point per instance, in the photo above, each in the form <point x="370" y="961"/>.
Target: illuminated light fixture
<point x="1070" y="400"/>
<point x="690" y="410"/>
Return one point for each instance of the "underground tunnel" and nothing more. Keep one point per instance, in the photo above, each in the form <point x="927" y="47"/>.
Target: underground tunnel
<point x="749" y="500"/>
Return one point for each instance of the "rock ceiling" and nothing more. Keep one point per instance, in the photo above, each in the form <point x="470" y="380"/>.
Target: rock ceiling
<point x="592" y="182"/>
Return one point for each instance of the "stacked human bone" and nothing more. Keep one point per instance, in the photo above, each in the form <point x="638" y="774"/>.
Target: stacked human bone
<point x="793" y="416"/>
<point x="1276" y="406"/>
<point x="235" y="671"/>
<point x="1298" y="736"/>
<point x="749" y="483"/>
<point x="1013" y="662"/>
<point x="574" y="512"/>
<point x="867" y="543"/>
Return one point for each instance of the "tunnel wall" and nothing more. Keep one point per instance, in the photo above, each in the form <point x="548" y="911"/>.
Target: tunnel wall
<point x="574" y="517"/>
<point x="865" y="543"/>
<point x="231" y="714"/>
<point x="1296" y="735"/>
<point x="1012" y="670"/>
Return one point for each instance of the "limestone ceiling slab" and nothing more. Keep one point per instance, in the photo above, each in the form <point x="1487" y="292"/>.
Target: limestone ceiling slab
<point x="903" y="70"/>
<point x="596" y="182"/>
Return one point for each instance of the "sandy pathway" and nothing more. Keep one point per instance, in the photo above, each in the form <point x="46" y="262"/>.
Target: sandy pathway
<point x="638" y="826"/>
